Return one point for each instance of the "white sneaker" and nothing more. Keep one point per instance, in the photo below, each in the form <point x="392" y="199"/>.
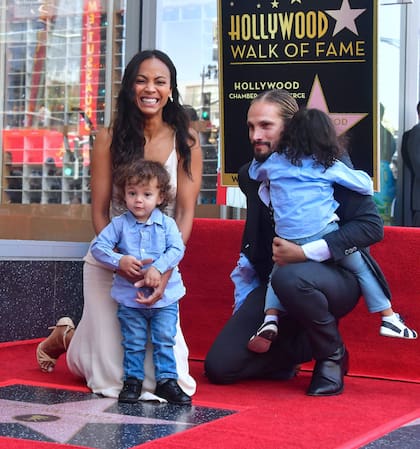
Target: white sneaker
<point x="397" y="329"/>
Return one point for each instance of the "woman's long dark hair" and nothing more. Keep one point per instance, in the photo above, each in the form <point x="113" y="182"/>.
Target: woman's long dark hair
<point x="128" y="127"/>
<point x="311" y="133"/>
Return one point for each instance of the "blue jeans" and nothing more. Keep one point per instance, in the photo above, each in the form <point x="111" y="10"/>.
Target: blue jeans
<point x="135" y="323"/>
<point x="372" y="292"/>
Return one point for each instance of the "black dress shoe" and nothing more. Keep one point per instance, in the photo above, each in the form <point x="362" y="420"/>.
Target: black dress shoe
<point x="328" y="375"/>
<point x="170" y="390"/>
<point x="131" y="391"/>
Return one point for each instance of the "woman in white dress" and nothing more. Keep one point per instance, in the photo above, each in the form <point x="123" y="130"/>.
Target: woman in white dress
<point x="150" y="123"/>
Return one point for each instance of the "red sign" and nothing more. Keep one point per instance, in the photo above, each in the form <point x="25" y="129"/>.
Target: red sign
<point x="89" y="68"/>
<point x="38" y="146"/>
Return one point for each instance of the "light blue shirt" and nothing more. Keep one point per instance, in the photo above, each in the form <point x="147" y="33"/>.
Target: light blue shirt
<point x="158" y="238"/>
<point x="303" y="196"/>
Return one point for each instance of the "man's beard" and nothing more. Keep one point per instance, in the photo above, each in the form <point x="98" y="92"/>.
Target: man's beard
<point x="261" y="157"/>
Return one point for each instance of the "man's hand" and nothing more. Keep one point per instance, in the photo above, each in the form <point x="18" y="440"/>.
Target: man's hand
<point x="285" y="252"/>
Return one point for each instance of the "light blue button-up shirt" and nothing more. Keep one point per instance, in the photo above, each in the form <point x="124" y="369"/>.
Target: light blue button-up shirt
<point x="158" y="238"/>
<point x="303" y="196"/>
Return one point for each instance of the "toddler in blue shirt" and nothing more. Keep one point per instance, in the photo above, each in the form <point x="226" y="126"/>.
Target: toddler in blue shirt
<point x="299" y="179"/>
<point x="145" y="240"/>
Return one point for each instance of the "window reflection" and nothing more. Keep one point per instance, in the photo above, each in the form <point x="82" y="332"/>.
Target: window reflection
<point x="197" y="71"/>
<point x="54" y="97"/>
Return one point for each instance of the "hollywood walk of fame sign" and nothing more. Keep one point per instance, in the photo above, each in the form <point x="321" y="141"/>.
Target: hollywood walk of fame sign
<point x="323" y="53"/>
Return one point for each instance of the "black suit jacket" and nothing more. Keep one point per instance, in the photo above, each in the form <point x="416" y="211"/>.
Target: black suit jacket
<point x="360" y="227"/>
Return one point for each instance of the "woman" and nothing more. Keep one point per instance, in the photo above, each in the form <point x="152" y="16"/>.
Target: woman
<point x="150" y="123"/>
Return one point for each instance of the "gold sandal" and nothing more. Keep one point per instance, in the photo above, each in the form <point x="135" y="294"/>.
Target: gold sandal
<point x="57" y="342"/>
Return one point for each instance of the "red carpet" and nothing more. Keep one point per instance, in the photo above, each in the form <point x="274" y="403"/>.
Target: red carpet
<point x="212" y="253"/>
<point x="270" y="415"/>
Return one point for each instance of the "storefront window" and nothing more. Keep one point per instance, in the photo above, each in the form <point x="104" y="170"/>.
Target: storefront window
<point x="53" y="74"/>
<point x="187" y="32"/>
<point x="60" y="67"/>
<point x="389" y="97"/>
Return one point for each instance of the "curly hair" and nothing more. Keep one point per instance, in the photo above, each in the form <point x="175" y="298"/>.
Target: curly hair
<point x="142" y="171"/>
<point x="311" y="133"/>
<point x="128" y="126"/>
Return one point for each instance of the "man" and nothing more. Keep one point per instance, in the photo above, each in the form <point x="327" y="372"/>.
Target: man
<point x="314" y="294"/>
<point x="410" y="152"/>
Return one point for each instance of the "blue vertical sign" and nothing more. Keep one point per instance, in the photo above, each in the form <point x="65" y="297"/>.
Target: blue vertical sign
<point x="323" y="52"/>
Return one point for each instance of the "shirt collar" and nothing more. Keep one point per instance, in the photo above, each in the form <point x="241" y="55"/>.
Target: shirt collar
<point x="155" y="217"/>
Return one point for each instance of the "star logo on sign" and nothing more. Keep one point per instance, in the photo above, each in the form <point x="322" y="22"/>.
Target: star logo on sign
<point x="345" y="17"/>
<point x="275" y="4"/>
<point x="342" y="121"/>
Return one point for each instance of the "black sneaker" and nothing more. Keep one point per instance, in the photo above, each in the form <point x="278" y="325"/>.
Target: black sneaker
<point x="131" y="391"/>
<point x="266" y="334"/>
<point x="170" y="390"/>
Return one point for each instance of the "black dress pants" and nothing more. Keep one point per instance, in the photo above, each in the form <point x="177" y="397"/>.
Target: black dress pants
<point x="315" y="296"/>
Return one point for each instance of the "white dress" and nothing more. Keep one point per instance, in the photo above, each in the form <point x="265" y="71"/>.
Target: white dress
<point x="95" y="352"/>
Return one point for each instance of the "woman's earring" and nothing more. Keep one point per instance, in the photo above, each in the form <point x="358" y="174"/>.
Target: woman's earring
<point x="171" y="99"/>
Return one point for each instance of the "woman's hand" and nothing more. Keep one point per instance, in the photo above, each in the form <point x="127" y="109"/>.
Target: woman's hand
<point x="285" y="252"/>
<point x="152" y="278"/>
<point x="131" y="268"/>
<point x="157" y="293"/>
<point x="154" y="297"/>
